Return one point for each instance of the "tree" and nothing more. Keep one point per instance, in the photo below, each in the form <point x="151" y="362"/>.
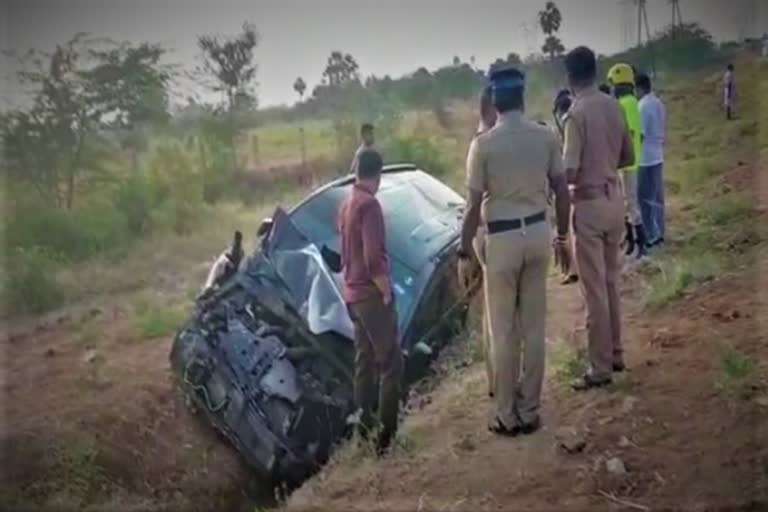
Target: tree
<point x="228" y="61"/>
<point x="514" y="58"/>
<point x="456" y="60"/>
<point x="300" y="87"/>
<point x="339" y="78"/>
<point x="550" y="20"/>
<point x="78" y="91"/>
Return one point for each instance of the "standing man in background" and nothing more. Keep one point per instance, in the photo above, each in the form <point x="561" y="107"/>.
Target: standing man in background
<point x="622" y="78"/>
<point x="653" y="120"/>
<point x="510" y="169"/>
<point x="368" y="294"/>
<point x="597" y="143"/>
<point x="367" y="141"/>
<point x="729" y="91"/>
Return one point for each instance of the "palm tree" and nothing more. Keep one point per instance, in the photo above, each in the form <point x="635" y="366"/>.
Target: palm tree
<point x="550" y="20"/>
<point x="300" y="87"/>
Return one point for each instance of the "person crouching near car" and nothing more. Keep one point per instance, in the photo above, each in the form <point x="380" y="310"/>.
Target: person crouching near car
<point x="368" y="294"/>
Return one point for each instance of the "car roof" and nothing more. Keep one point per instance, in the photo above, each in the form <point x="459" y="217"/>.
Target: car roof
<point x="350" y="178"/>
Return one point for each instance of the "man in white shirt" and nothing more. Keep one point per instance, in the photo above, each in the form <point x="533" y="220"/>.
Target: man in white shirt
<point x="653" y="121"/>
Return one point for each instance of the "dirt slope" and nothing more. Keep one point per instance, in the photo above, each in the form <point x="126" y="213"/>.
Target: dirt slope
<point x="690" y="419"/>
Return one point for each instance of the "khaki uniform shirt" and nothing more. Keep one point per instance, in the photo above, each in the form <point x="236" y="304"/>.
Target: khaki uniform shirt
<point x="511" y="164"/>
<point x="596" y="135"/>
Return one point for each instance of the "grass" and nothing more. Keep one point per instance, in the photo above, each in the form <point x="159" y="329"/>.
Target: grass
<point x="677" y="275"/>
<point x="729" y="209"/>
<point x="566" y="362"/>
<point x="154" y="320"/>
<point x="282" y="141"/>
<point x="735" y="366"/>
<point x="77" y="469"/>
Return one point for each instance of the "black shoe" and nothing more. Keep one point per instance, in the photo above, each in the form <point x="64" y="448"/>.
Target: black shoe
<point x="499" y="428"/>
<point x="629" y="239"/>
<point x="530" y="428"/>
<point x="588" y="382"/>
<point x="641" y="241"/>
<point x="619" y="367"/>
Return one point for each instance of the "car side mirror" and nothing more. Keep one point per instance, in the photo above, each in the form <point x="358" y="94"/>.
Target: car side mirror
<point x="265" y="227"/>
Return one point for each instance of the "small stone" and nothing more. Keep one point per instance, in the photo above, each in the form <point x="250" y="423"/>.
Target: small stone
<point x="628" y="405"/>
<point x="570" y="440"/>
<point x="466" y="444"/>
<point x="615" y="466"/>
<point x="50" y="352"/>
<point x="90" y="356"/>
<point x="624" y="442"/>
<point x="762" y="401"/>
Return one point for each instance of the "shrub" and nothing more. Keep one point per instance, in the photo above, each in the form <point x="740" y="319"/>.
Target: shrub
<point x="133" y="199"/>
<point x="29" y="282"/>
<point x="422" y="151"/>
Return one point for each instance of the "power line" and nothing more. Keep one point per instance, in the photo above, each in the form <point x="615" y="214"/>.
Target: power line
<point x="677" y="16"/>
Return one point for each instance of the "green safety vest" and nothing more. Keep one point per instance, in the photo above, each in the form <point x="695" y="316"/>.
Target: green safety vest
<point x="631" y="108"/>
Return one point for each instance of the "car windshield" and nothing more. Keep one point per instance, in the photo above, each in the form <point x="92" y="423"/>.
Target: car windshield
<point x="421" y="216"/>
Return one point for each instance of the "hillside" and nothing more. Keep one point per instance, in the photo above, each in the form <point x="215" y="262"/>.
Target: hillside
<point x="689" y="421"/>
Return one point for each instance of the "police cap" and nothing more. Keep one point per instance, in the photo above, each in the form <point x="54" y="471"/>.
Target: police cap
<point x="506" y="77"/>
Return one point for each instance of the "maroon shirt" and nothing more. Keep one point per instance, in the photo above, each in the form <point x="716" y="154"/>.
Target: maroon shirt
<point x="363" y="244"/>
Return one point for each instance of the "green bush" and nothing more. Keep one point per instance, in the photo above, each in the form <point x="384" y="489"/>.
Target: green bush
<point x="29" y="282"/>
<point x="422" y="151"/>
<point x="67" y="235"/>
<point x="176" y="187"/>
<point x="133" y="199"/>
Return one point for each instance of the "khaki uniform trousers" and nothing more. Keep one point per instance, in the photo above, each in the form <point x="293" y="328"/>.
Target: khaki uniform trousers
<point x="378" y="365"/>
<point x="516" y="268"/>
<point x="485" y="341"/>
<point x="598" y="224"/>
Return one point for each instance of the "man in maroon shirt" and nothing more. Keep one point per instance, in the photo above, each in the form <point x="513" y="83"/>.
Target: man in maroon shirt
<point x="368" y="293"/>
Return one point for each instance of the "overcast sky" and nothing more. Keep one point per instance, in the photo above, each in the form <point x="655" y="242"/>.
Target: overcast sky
<point x="386" y="37"/>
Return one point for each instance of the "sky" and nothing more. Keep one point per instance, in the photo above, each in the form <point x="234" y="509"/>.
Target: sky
<point x="391" y="37"/>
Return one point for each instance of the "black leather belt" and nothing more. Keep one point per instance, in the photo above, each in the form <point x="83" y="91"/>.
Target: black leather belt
<point x="499" y="226"/>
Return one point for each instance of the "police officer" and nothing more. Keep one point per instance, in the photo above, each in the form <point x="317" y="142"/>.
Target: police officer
<point x="487" y="120"/>
<point x="622" y="79"/>
<point x="597" y="143"/>
<point x="509" y="169"/>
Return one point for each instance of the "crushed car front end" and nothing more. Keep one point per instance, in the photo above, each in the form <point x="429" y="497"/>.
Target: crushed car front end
<point x="268" y="355"/>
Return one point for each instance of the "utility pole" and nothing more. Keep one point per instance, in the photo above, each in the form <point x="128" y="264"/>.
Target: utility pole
<point x="642" y="18"/>
<point x="677" y="16"/>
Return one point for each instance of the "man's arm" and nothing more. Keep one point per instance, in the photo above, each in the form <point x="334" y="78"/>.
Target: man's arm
<point x="572" y="149"/>
<point x="559" y="185"/>
<point x="475" y="187"/>
<point x="627" y="155"/>
<point x="374" y="248"/>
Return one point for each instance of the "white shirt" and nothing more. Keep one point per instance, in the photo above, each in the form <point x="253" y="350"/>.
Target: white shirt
<point x="653" y="123"/>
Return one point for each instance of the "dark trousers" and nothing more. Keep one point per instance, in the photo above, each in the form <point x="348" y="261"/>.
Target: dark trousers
<point x="378" y="365"/>
<point x="650" y="190"/>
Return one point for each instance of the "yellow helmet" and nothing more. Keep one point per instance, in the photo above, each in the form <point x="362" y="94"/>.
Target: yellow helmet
<point x="621" y="74"/>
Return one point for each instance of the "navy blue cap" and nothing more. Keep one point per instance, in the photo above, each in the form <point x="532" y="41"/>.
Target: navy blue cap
<point x="506" y="77"/>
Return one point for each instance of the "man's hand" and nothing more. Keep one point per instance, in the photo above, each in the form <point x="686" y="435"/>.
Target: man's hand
<point x="382" y="283"/>
<point x="469" y="272"/>
<point x="562" y="254"/>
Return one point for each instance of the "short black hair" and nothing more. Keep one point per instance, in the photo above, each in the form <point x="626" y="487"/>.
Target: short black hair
<point x="369" y="164"/>
<point x="366" y="128"/>
<point x="581" y="65"/>
<point x="509" y="98"/>
<point x="563" y="101"/>
<point x="730" y="67"/>
<point x="621" y="90"/>
<point x="604" y="88"/>
<point x="643" y="82"/>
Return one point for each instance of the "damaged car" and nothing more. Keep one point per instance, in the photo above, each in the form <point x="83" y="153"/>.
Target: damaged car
<point x="268" y="354"/>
